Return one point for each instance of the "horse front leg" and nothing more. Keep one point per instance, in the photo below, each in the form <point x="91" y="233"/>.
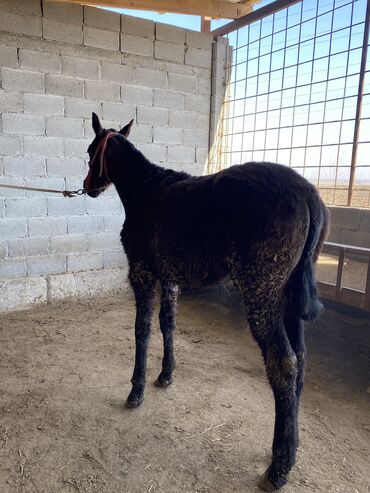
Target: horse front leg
<point x="167" y="320"/>
<point x="143" y="284"/>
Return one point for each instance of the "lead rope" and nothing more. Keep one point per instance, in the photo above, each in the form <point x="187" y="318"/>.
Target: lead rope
<point x="65" y="193"/>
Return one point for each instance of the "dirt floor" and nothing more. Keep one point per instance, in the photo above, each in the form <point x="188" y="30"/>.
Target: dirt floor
<point x="65" y="374"/>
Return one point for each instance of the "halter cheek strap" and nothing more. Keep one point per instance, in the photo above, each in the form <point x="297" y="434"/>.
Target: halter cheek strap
<point x="100" y="154"/>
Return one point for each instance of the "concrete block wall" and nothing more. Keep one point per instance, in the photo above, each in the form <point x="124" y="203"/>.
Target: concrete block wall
<point x="350" y="226"/>
<point x="59" y="62"/>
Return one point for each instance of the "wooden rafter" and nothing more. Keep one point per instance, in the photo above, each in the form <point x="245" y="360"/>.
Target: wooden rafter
<point x="216" y="9"/>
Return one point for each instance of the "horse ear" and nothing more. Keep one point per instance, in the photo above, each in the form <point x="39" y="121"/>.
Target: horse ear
<point x="98" y="129"/>
<point x="126" y="129"/>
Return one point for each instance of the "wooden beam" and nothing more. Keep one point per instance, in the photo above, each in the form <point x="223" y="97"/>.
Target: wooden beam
<point x="215" y="9"/>
<point x="254" y="16"/>
<point x="205" y="25"/>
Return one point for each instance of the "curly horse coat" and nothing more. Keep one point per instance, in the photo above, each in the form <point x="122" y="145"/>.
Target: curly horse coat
<point x="260" y="224"/>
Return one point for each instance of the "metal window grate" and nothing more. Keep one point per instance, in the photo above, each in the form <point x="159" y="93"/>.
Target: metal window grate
<point x="292" y="96"/>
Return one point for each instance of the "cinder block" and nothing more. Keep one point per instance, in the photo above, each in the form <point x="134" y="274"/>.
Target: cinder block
<point x="85" y="224"/>
<point x="64" y="127"/>
<point x="28" y="247"/>
<point x="61" y="206"/>
<point x="22" y="293"/>
<point x="12" y="268"/>
<point x="182" y="119"/>
<point x="137" y="95"/>
<point x="18" y="123"/>
<point x="151" y="78"/>
<point x="63" y="12"/>
<point x="39" y="61"/>
<point x="83" y="68"/>
<point x="196" y="102"/>
<point x="13" y="228"/>
<point x="169" y="33"/>
<point x="136" y="45"/>
<point x="141" y="133"/>
<point x="22" y="80"/>
<point x="168" y="99"/>
<point x="181" y="154"/>
<point x="102" y="19"/>
<point x="198" y="57"/>
<point x="104" y="241"/>
<point x="20" y="24"/>
<point x="109" y="281"/>
<point x="346" y="218"/>
<point x="63" y="86"/>
<point x="68" y="244"/>
<point x="76" y="148"/>
<point x="43" y="146"/>
<point x="113" y="72"/>
<point x="23" y="166"/>
<point x="10" y="145"/>
<point x="26" y="207"/>
<point x="62" y="31"/>
<point x="46" y="264"/>
<point x="201" y="155"/>
<point x="104" y="206"/>
<point x="198" y="40"/>
<point x="156" y="153"/>
<point x="3" y="249"/>
<point x="43" y="182"/>
<point x="114" y="259"/>
<point x="86" y="261"/>
<point x="138" y="27"/>
<point x="26" y="7"/>
<point x="81" y="108"/>
<point x="204" y="86"/>
<point x="196" y="137"/>
<point x="61" y="286"/>
<point x="166" y="135"/>
<point x="8" y="192"/>
<point x="102" y="91"/>
<point x="113" y="224"/>
<point x="169" y="51"/>
<point x="182" y="82"/>
<point x="203" y="121"/>
<point x="43" y="104"/>
<point x="48" y="226"/>
<point x="152" y="116"/>
<point x="66" y="167"/>
<point x="118" y="112"/>
<point x="8" y="56"/>
<point x="101" y="38"/>
<point x="10" y="101"/>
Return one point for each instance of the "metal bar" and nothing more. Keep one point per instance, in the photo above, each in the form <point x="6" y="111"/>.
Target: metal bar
<point x="367" y="289"/>
<point x="256" y="15"/>
<point x="338" y="284"/>
<point x="359" y="104"/>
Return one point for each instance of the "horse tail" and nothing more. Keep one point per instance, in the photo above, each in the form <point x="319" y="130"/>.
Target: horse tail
<point x="302" y="298"/>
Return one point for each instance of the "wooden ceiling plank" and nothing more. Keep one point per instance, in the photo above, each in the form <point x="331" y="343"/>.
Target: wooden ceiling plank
<point x="207" y="8"/>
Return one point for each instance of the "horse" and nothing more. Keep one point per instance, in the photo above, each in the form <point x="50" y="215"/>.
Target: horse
<point x="262" y="225"/>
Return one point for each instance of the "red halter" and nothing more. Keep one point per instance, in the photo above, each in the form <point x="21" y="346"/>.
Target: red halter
<point x="100" y="150"/>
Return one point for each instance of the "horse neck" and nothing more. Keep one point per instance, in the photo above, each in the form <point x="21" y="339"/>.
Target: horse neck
<point x="130" y="169"/>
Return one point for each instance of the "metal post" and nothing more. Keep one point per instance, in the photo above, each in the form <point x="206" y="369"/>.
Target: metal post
<point x="359" y="105"/>
<point x="205" y="24"/>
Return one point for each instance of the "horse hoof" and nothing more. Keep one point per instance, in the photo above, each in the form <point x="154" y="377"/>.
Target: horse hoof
<point x="134" y="402"/>
<point x="265" y="484"/>
<point x="163" y="382"/>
